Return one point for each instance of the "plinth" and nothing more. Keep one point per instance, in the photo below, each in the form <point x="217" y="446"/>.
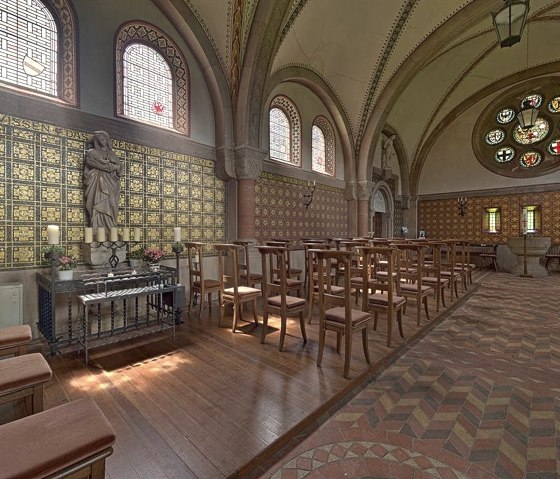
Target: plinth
<point x="537" y="246"/>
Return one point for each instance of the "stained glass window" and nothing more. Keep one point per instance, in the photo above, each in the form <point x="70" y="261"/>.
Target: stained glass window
<point x="147" y="86"/>
<point x="28" y="45"/>
<point x="505" y="116"/>
<point x="530" y="159"/>
<point x="554" y="147"/>
<point x="528" y="136"/>
<point x="285" y="131"/>
<point x="554" y="105"/>
<point x="493" y="137"/>
<point x="534" y="99"/>
<point x="491" y="220"/>
<point x="322" y="146"/>
<point x="504" y="154"/>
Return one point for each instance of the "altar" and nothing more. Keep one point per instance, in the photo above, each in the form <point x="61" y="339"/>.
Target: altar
<point x="536" y="247"/>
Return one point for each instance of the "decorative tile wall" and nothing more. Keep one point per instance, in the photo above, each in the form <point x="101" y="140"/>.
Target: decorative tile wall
<point x="280" y="211"/>
<point x="441" y="219"/>
<point x="41" y="183"/>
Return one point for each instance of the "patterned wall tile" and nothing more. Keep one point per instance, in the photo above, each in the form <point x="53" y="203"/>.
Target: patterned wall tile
<point x="41" y="183"/>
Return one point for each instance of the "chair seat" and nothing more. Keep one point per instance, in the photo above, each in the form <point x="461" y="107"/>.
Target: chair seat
<point x="334" y="289"/>
<point x="290" y="283"/>
<point x="252" y="276"/>
<point x="21" y="371"/>
<point x="338" y="315"/>
<point x="384" y="274"/>
<point x="13" y="335"/>
<point x="413" y="288"/>
<point x="378" y="299"/>
<point x="208" y="283"/>
<point x="291" y="301"/>
<point x="242" y="291"/>
<point x="433" y="280"/>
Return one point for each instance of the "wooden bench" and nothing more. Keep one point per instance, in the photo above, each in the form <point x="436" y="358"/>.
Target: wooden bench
<point x="552" y="254"/>
<point x="14" y="340"/>
<point x="72" y="440"/>
<point x="23" y="377"/>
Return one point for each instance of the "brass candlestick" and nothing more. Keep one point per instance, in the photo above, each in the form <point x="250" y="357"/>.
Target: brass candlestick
<point x="525" y="274"/>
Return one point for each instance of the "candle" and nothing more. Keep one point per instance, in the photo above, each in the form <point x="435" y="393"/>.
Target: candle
<point x="88" y="235"/>
<point x="113" y="234"/>
<point x="53" y="234"/>
<point x="314" y="182"/>
<point x="136" y="234"/>
<point x="177" y="234"/>
<point x="101" y="234"/>
<point x="126" y="234"/>
<point x="525" y="218"/>
<point x="196" y="259"/>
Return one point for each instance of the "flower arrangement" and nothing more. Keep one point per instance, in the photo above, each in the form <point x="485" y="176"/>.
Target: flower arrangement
<point x="153" y="255"/>
<point x="66" y="263"/>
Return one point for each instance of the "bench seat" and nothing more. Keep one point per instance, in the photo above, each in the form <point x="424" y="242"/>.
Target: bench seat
<point x="23" y="377"/>
<point x="58" y="442"/>
<point x="14" y="339"/>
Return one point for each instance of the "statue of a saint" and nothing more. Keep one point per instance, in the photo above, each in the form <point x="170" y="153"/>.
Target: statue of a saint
<point x="387" y="152"/>
<point x="102" y="175"/>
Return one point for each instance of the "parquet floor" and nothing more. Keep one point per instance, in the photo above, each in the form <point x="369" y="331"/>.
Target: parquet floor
<point x="214" y="404"/>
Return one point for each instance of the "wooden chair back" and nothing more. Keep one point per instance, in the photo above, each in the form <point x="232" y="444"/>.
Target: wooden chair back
<point x="247" y="276"/>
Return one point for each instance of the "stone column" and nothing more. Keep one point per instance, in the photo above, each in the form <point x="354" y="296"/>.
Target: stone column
<point x="248" y="166"/>
<point x="364" y="194"/>
<point x="410" y="216"/>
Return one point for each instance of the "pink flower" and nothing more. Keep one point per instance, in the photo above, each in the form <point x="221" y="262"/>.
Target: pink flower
<point x="153" y="255"/>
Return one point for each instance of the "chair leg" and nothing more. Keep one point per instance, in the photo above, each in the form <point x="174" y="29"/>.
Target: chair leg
<point x="265" y="326"/>
<point x="347" y="353"/>
<point x="321" y="347"/>
<point x="338" y="342"/>
<point x="209" y="302"/>
<point x="282" y="331"/>
<point x="443" y="297"/>
<point x="222" y="313"/>
<point x="375" y="316"/>
<point x="201" y="307"/>
<point x="302" y="327"/>
<point x="236" y="316"/>
<point x="365" y="344"/>
<point x="255" y="317"/>
<point x="425" y="301"/>
<point x="399" y="323"/>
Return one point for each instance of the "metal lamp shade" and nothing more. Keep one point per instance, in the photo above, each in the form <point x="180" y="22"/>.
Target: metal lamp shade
<point x="510" y="22"/>
<point x="527" y="117"/>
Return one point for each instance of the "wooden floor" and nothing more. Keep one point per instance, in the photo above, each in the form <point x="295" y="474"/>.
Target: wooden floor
<point x="210" y="403"/>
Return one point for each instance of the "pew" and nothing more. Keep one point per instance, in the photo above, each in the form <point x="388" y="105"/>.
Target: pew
<point x="72" y="440"/>
<point x="14" y="340"/>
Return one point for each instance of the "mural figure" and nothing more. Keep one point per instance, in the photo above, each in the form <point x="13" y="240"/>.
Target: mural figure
<point x="388" y="150"/>
<point x="102" y="175"/>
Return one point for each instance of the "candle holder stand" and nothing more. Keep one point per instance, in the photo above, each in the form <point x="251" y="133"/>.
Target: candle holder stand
<point x="525" y="274"/>
<point x="113" y="246"/>
<point x="177" y="248"/>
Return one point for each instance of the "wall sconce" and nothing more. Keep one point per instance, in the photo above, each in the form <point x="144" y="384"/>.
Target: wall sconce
<point x="462" y="204"/>
<point x="308" y="197"/>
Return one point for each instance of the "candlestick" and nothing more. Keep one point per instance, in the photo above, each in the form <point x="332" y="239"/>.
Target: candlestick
<point x="101" y="234"/>
<point x="177" y="234"/>
<point x="113" y="234"/>
<point x="136" y="234"/>
<point x="88" y="235"/>
<point x="126" y="234"/>
<point x="53" y="234"/>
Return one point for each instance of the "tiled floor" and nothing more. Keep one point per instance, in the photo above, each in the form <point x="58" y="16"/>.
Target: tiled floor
<point x="478" y="397"/>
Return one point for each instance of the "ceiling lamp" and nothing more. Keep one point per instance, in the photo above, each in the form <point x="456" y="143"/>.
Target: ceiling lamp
<point x="509" y="22"/>
<point x="527" y="117"/>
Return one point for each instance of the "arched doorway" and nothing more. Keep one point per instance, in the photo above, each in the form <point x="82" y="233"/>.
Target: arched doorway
<point x="381" y="208"/>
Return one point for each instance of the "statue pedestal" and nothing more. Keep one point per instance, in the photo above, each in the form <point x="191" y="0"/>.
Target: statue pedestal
<point x="537" y="246"/>
<point x="99" y="257"/>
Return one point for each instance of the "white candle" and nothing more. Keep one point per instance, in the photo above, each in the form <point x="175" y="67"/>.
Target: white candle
<point x="126" y="234"/>
<point x="101" y="234"/>
<point x="177" y="234"/>
<point x="136" y="234"/>
<point x="113" y="234"/>
<point x="525" y="218"/>
<point x="196" y="259"/>
<point x="88" y="235"/>
<point x="53" y="234"/>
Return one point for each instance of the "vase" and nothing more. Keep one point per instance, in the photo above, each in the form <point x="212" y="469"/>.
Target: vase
<point x="66" y="275"/>
<point x="154" y="267"/>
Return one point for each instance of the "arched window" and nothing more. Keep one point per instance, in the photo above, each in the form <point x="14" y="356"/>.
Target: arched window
<point x="322" y="146"/>
<point x="285" y="131"/>
<point x="152" y="77"/>
<point x="147" y="86"/>
<point x="37" y="47"/>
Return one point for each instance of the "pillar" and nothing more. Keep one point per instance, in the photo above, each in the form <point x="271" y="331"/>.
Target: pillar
<point x="364" y="194"/>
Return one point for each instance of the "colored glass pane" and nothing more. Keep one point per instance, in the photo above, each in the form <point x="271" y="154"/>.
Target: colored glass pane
<point x="147" y="86"/>
<point x="528" y="136"/>
<point x="317" y="149"/>
<point x="493" y="137"/>
<point x="505" y="116"/>
<point x="530" y="159"/>
<point x="554" y="147"/>
<point x="28" y="45"/>
<point x="534" y="99"/>
<point x="504" y="154"/>
<point x="279" y="135"/>
<point x="554" y="105"/>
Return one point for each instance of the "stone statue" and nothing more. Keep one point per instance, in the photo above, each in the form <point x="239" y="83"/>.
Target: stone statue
<point x="102" y="175"/>
<point x="387" y="152"/>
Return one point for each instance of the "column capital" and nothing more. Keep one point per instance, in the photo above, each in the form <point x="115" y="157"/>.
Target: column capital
<point x="248" y="162"/>
<point x="225" y="163"/>
<point x="364" y="189"/>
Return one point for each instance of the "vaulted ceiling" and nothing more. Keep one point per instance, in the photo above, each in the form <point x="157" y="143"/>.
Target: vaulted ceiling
<point x="407" y="63"/>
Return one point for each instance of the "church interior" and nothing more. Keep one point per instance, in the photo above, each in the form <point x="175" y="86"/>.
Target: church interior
<point x="202" y="200"/>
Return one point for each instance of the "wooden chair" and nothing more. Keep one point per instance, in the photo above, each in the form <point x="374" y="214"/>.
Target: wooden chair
<point x="293" y="283"/>
<point x="247" y="276"/>
<point x="552" y="254"/>
<point x="336" y="312"/>
<point x="14" y="340"/>
<point x="275" y="292"/>
<point x="389" y="301"/>
<point x="433" y="276"/>
<point x="448" y="267"/>
<point x="489" y="252"/>
<point x="293" y="273"/>
<point x="412" y="271"/>
<point x="234" y="294"/>
<point x="198" y="283"/>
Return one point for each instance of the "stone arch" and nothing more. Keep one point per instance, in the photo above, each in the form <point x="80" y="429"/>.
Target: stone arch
<point x="381" y="187"/>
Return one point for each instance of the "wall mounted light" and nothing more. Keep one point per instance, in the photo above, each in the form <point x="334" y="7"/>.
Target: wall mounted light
<point x="308" y="197"/>
<point x="462" y="204"/>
